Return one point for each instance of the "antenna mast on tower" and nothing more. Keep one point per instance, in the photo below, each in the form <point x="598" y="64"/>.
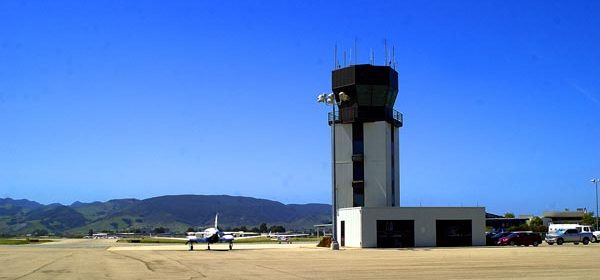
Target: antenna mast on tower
<point x="393" y="57"/>
<point x="385" y="62"/>
<point x="355" y="52"/>
<point x="335" y="62"/>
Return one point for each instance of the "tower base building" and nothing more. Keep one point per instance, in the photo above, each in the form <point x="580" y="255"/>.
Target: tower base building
<point x="397" y="227"/>
<point x="366" y="171"/>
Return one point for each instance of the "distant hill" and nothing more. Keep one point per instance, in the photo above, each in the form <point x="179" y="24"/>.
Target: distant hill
<point x="175" y="212"/>
<point x="10" y="206"/>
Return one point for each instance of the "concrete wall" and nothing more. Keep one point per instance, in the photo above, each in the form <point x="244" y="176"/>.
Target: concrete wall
<point x="352" y="217"/>
<point x="378" y="167"/>
<point x="396" y="150"/>
<point x="424" y="218"/>
<point x="343" y="159"/>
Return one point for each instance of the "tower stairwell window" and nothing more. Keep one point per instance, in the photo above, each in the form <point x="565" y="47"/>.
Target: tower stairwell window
<point x="393" y="198"/>
<point x="357" y="139"/>
<point x="358" y="167"/>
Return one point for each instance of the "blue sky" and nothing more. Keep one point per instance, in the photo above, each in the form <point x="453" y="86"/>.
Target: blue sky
<point x="114" y="99"/>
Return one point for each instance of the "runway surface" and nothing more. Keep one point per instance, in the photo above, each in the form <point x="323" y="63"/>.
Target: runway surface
<point x="106" y="259"/>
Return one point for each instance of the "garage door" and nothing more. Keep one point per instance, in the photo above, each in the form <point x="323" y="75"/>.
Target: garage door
<point x="454" y="233"/>
<point x="395" y="233"/>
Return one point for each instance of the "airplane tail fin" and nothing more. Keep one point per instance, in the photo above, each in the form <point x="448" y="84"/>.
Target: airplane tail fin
<point x="216" y="220"/>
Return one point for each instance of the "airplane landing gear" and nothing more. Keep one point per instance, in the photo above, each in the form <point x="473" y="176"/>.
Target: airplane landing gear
<point x="209" y="247"/>
<point x="230" y="245"/>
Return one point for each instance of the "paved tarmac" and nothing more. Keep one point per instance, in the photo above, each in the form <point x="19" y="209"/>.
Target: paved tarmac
<point x="106" y="259"/>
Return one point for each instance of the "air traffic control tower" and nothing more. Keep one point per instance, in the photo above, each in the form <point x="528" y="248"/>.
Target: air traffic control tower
<point x="367" y="130"/>
<point x="367" y="176"/>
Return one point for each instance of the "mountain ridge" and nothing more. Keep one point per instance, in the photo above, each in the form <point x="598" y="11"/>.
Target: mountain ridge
<point x="174" y="212"/>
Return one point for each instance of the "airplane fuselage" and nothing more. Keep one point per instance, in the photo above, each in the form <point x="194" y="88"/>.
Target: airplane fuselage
<point x="210" y="236"/>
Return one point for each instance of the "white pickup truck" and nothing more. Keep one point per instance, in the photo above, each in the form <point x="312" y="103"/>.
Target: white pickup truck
<point x="570" y="236"/>
<point x="553" y="228"/>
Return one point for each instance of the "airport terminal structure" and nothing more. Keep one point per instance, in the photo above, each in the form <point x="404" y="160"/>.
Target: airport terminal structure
<point x="366" y="171"/>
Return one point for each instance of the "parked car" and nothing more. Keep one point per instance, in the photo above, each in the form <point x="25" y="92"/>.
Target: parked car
<point x="494" y="238"/>
<point x="521" y="238"/>
<point x="569" y="235"/>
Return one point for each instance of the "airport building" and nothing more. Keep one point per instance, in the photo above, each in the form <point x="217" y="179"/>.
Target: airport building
<point x="564" y="217"/>
<point x="366" y="137"/>
<point x="500" y="223"/>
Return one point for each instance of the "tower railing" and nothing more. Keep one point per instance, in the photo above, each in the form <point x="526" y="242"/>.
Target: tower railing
<point x="330" y="116"/>
<point x="398" y="116"/>
<point x="395" y="114"/>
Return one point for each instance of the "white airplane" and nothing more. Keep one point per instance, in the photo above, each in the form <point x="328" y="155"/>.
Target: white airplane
<point x="211" y="236"/>
<point x="285" y="237"/>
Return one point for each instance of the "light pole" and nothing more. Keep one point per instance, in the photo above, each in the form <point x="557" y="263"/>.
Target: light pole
<point x="595" y="181"/>
<point x="329" y="99"/>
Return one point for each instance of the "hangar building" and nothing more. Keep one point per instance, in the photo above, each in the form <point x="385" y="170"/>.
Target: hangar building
<point x="366" y="171"/>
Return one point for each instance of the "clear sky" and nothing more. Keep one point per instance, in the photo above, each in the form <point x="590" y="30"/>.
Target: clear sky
<point x="117" y="99"/>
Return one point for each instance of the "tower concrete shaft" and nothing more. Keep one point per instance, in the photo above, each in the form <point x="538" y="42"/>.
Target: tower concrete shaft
<point x="366" y="137"/>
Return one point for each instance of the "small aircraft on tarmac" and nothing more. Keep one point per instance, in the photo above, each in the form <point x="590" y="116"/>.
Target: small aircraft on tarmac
<point x="212" y="235"/>
<point x="285" y="237"/>
<point x="215" y="235"/>
<point x="209" y="236"/>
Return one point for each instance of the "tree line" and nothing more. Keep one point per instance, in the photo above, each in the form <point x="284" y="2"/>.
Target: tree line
<point x="536" y="224"/>
<point x="262" y="228"/>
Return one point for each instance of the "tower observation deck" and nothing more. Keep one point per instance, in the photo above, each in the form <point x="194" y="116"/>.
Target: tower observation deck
<point x="372" y="91"/>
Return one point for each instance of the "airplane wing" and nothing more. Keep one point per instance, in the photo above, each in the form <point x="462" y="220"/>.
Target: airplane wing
<point x="290" y="235"/>
<point x="186" y="239"/>
<point x="226" y="238"/>
<point x="166" y="239"/>
<point x="249" y="237"/>
<point x="238" y="234"/>
<point x="171" y="238"/>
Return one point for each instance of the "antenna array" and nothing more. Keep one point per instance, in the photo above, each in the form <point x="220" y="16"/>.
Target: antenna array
<point x="389" y="58"/>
